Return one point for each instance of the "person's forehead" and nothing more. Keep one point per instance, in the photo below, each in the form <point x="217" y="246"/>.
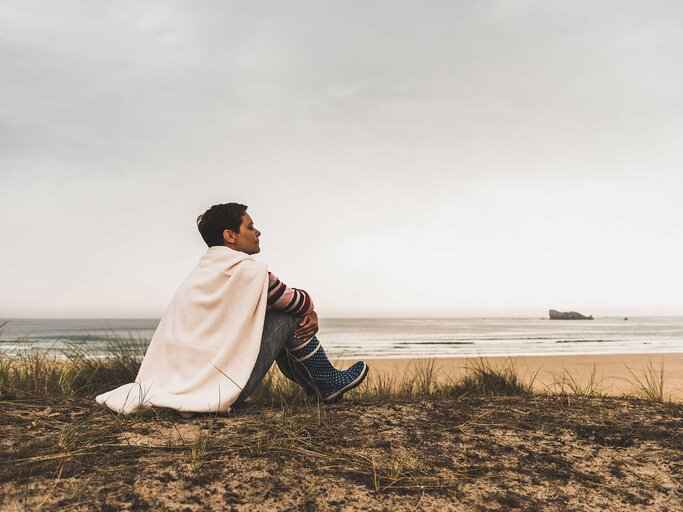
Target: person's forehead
<point x="246" y="218"/>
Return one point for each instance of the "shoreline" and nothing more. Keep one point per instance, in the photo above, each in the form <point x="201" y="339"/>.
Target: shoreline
<point x="611" y="370"/>
<point x="12" y="353"/>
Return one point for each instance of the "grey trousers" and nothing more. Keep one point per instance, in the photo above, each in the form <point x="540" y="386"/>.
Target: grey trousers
<point x="278" y="329"/>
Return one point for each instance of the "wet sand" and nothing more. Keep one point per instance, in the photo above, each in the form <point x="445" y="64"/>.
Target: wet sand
<point x="610" y="369"/>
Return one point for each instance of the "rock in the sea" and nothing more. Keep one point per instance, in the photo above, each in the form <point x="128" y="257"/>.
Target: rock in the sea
<point x="570" y="315"/>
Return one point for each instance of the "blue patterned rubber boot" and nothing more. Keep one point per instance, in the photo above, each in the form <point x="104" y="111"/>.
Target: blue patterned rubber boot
<point x="295" y="371"/>
<point x="320" y="378"/>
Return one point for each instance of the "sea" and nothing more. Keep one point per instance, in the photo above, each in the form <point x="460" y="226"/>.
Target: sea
<point x="377" y="337"/>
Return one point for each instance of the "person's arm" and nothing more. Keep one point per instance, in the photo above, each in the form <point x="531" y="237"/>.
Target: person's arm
<point x="292" y="301"/>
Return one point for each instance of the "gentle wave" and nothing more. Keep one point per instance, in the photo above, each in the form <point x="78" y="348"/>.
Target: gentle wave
<point x="386" y="338"/>
<point x="587" y="341"/>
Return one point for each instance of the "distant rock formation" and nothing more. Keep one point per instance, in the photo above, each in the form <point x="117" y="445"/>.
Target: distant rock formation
<point x="571" y="315"/>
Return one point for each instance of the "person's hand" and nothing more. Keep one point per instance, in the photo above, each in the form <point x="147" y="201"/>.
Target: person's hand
<point x="308" y="326"/>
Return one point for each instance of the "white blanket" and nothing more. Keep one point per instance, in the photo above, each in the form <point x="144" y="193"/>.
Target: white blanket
<point x="205" y="347"/>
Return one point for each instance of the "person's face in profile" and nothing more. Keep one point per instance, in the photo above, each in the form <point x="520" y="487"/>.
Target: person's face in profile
<point x="246" y="240"/>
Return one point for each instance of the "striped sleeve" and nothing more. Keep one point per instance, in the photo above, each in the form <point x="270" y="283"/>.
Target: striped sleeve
<point x="290" y="300"/>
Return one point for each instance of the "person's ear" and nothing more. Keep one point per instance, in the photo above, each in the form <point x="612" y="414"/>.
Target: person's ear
<point x="229" y="236"/>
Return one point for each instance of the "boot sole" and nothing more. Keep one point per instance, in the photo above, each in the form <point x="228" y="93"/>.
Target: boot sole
<point x="336" y="396"/>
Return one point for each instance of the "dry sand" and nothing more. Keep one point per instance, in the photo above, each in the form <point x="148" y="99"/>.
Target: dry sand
<point x="461" y="453"/>
<point x="483" y="454"/>
<point x="610" y="369"/>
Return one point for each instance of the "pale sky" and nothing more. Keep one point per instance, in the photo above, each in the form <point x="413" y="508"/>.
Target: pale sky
<point x="400" y="158"/>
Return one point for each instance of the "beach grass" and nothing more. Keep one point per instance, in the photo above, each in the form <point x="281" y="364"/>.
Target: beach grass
<point x="75" y="373"/>
<point x="38" y="375"/>
<point x="409" y="440"/>
<point x="566" y="383"/>
<point x="649" y="382"/>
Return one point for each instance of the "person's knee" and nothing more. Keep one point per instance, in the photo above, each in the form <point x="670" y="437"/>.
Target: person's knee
<point x="281" y="322"/>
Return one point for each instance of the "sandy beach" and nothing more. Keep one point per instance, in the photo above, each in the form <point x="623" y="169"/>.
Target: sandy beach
<point x="475" y="443"/>
<point x="611" y="370"/>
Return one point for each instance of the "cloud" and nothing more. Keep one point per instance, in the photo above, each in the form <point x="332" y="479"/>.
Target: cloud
<point x="343" y="125"/>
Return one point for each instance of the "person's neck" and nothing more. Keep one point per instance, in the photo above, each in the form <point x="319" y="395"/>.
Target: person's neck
<point x="232" y="246"/>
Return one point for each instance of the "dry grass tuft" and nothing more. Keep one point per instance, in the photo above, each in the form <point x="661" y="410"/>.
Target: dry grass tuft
<point x="650" y="385"/>
<point x="30" y="373"/>
<point x="565" y="383"/>
<point x="485" y="379"/>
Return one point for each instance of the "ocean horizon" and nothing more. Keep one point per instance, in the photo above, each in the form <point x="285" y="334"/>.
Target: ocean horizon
<point x="379" y="337"/>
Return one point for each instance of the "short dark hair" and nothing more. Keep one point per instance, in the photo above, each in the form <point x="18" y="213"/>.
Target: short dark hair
<point x="217" y="219"/>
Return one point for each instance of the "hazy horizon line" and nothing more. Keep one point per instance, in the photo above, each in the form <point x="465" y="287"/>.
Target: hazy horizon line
<point x="510" y="315"/>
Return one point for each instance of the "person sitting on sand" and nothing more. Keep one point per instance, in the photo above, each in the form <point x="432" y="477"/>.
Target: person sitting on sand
<point x="227" y="323"/>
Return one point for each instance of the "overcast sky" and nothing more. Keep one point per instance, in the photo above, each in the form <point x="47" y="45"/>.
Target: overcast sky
<point x="400" y="158"/>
